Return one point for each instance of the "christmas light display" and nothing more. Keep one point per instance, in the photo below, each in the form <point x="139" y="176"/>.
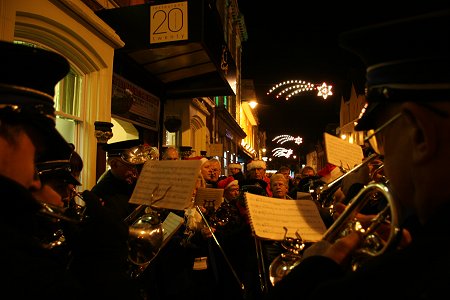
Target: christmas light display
<point x="281" y="139"/>
<point x="290" y="88"/>
<point x="277" y="152"/>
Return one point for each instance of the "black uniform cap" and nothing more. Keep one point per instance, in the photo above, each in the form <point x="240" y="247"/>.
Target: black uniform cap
<point x="60" y="170"/>
<point x="132" y="151"/>
<point x="117" y="148"/>
<point x="28" y="77"/>
<point x="406" y="60"/>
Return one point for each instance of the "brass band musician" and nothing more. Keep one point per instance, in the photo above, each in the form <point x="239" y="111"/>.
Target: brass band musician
<point x="408" y="120"/>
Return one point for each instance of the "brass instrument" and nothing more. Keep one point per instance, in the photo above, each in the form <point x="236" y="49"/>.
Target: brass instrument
<point x="73" y="213"/>
<point x="349" y="221"/>
<point x="145" y="234"/>
<point x="373" y="244"/>
<point x="325" y="193"/>
<point x="285" y="262"/>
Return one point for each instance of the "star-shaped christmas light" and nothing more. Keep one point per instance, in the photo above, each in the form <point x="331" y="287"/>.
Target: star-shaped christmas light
<point x="324" y="90"/>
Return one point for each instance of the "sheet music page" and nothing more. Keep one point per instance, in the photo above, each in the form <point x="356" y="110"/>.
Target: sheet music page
<point x="269" y="215"/>
<point x="170" y="226"/>
<point x="208" y="197"/>
<point x="342" y="153"/>
<point x="176" y="177"/>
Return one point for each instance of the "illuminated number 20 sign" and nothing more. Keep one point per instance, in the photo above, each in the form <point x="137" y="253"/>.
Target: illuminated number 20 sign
<point x="169" y="22"/>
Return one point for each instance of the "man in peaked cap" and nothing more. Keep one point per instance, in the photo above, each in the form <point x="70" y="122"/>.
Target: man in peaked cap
<point x="408" y="122"/>
<point x="117" y="184"/>
<point x="27" y="135"/>
<point x="28" y="138"/>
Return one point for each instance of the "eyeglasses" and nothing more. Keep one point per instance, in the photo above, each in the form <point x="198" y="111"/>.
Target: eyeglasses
<point x="377" y="142"/>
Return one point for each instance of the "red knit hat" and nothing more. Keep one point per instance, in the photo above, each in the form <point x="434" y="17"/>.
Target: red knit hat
<point x="227" y="183"/>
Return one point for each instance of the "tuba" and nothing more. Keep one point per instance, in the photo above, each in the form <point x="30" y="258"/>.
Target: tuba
<point x="376" y="238"/>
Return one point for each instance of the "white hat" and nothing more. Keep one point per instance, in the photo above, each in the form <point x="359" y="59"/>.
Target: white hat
<point x="256" y="164"/>
<point x="237" y="166"/>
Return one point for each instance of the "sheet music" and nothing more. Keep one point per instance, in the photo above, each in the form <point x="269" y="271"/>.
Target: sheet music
<point x="342" y="153"/>
<point x="268" y="216"/>
<point x="176" y="177"/>
<point x="170" y="226"/>
<point x="207" y="197"/>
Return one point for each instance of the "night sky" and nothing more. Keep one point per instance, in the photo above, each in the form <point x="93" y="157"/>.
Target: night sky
<point x="290" y="40"/>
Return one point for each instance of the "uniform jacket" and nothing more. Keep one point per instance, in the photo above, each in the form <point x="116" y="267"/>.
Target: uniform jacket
<point x="419" y="271"/>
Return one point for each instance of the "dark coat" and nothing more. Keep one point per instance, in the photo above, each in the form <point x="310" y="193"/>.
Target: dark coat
<point x="419" y="271"/>
<point x="82" y="268"/>
<point x="115" y="193"/>
<point x="29" y="269"/>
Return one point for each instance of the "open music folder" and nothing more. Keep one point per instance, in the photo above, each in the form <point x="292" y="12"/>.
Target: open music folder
<point x="269" y="216"/>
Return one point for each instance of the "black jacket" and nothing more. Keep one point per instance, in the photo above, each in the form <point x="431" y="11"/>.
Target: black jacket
<point x="419" y="271"/>
<point x="82" y="268"/>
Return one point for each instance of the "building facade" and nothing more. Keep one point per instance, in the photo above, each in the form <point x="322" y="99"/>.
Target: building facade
<point x="181" y="88"/>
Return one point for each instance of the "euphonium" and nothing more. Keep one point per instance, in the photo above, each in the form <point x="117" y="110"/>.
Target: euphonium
<point x="285" y="262"/>
<point x="145" y="235"/>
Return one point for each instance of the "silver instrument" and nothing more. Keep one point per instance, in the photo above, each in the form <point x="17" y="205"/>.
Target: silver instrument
<point x="373" y="243"/>
<point x="285" y="262"/>
<point x="145" y="235"/>
<point x="325" y="193"/>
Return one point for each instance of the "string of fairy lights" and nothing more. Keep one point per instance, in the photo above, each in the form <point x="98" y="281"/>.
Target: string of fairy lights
<point x="290" y="88"/>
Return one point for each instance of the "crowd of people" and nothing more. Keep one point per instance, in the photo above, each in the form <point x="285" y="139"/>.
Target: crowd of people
<point x="58" y="246"/>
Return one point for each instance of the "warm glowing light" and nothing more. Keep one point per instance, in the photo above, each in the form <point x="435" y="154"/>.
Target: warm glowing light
<point x="290" y="88"/>
<point x="253" y="104"/>
<point x="277" y="152"/>
<point x="281" y="139"/>
<point x="324" y="90"/>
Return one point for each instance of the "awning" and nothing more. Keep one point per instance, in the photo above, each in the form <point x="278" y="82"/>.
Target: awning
<point x="179" y="43"/>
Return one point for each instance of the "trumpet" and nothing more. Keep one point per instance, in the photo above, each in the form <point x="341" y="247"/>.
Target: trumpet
<point x="326" y="192"/>
<point x="349" y="221"/>
<point x="373" y="243"/>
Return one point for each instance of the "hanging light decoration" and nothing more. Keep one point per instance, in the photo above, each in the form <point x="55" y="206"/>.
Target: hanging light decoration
<point x="277" y="152"/>
<point x="281" y="139"/>
<point x="290" y="88"/>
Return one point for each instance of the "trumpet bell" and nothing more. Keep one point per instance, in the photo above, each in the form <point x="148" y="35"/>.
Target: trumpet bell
<point x="145" y="239"/>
